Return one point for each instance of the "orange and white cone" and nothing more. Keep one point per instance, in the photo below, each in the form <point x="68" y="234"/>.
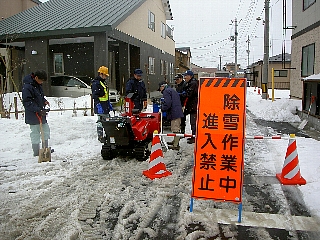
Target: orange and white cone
<point x="156" y="169"/>
<point x="290" y="174"/>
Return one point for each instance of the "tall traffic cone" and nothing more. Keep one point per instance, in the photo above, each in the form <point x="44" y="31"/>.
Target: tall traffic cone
<point x="290" y="174"/>
<point x="157" y="169"/>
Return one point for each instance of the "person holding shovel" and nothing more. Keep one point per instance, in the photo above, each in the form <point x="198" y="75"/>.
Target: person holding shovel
<point x="34" y="103"/>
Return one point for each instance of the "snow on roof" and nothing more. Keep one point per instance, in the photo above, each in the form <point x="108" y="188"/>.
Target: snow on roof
<point x="314" y="77"/>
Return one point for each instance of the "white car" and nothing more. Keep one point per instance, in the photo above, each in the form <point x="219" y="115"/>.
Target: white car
<point x="70" y="86"/>
<point x="114" y="96"/>
<point x="77" y="86"/>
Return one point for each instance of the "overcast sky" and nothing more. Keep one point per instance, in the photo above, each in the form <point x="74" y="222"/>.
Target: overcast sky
<point x="206" y="26"/>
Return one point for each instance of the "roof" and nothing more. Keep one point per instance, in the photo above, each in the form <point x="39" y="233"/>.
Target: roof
<point x="314" y="77"/>
<point x="278" y="58"/>
<point x="57" y="17"/>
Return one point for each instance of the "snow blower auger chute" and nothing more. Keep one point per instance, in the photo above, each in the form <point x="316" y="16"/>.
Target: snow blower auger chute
<point x="129" y="134"/>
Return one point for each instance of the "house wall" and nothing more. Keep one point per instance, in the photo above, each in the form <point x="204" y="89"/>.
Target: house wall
<point x="303" y="19"/>
<point x="279" y="82"/>
<point x="137" y="25"/>
<point x="12" y="7"/>
<point x="307" y="31"/>
<point x="313" y="36"/>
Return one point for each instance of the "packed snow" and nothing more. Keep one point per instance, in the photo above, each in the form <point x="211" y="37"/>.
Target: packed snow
<point x="78" y="195"/>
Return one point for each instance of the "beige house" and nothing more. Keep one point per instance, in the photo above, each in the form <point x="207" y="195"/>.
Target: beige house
<point x="67" y="38"/>
<point x="281" y="66"/>
<point x="12" y="7"/>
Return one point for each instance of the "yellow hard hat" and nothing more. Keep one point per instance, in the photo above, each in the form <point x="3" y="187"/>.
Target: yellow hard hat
<point x="103" y="70"/>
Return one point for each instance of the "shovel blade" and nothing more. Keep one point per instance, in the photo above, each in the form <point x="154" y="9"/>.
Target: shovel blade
<point x="303" y="124"/>
<point x="44" y="155"/>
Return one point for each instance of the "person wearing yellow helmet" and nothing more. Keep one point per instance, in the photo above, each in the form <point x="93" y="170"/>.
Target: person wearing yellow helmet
<point x="100" y="95"/>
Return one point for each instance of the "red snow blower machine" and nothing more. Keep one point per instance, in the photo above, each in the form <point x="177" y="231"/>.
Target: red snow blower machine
<point x="129" y="134"/>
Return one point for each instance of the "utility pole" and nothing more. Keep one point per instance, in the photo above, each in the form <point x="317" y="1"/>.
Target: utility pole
<point x="220" y="63"/>
<point x="248" y="50"/>
<point x="265" y="71"/>
<point x="236" y="47"/>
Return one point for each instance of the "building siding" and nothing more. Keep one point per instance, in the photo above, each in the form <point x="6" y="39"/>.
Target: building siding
<point x="139" y="19"/>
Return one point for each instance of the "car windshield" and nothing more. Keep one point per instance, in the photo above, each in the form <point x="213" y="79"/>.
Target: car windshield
<point x="85" y="79"/>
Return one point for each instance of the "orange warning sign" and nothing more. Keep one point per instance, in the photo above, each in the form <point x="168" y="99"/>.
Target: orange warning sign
<point x="219" y="147"/>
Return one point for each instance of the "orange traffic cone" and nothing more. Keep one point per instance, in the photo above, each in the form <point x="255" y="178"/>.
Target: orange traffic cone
<point x="290" y="174"/>
<point x="157" y="169"/>
<point x="259" y="91"/>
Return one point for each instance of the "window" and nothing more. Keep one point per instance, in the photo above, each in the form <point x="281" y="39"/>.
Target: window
<point x="163" y="30"/>
<point x="307" y="64"/>
<point x="151" y="21"/>
<point x="151" y="65"/>
<point x="307" y="3"/>
<point x="171" y="72"/>
<point x="162" y="70"/>
<point x="280" y="73"/>
<point x="58" y="63"/>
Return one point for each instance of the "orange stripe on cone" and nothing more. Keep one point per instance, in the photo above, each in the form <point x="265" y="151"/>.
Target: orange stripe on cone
<point x="290" y="174"/>
<point x="156" y="169"/>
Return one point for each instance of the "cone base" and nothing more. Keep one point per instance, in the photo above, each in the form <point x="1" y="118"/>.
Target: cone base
<point x="152" y="175"/>
<point x="286" y="181"/>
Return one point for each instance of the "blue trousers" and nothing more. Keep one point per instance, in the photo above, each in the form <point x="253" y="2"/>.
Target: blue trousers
<point x="35" y="134"/>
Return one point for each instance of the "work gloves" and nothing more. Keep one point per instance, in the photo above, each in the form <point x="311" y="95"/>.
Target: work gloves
<point x="99" y="108"/>
<point x="110" y="106"/>
<point x="44" y="112"/>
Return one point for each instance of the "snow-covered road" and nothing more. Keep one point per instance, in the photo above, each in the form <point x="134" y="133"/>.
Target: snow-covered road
<point x="80" y="196"/>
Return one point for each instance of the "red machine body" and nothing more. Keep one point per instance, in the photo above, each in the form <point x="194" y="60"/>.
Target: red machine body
<point x="143" y="124"/>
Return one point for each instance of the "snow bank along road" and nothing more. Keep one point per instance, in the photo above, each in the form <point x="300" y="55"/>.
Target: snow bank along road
<point x="97" y="199"/>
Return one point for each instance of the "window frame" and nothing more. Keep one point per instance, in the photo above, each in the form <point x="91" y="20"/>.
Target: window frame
<point x="151" y="21"/>
<point x="307" y="60"/>
<point x="163" y="30"/>
<point x="151" y="61"/>
<point x="307" y="4"/>
<point x="280" y="73"/>
<point x="55" y="67"/>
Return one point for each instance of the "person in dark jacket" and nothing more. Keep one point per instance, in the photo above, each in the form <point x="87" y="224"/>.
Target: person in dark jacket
<point x="180" y="88"/>
<point x="191" y="105"/>
<point x="172" y="106"/>
<point x="100" y="96"/>
<point x="136" y="85"/>
<point x="34" y="103"/>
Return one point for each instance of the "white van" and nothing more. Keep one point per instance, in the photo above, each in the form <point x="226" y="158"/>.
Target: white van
<point x="70" y="86"/>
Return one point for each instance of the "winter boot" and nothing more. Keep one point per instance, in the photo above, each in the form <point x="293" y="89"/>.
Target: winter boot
<point x="191" y="140"/>
<point x="35" y="148"/>
<point x="170" y="143"/>
<point x="175" y="145"/>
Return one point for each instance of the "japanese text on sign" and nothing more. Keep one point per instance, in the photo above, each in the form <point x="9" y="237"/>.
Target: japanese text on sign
<point x="219" y="148"/>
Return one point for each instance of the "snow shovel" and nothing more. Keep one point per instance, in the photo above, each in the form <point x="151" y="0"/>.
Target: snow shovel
<point x="44" y="152"/>
<point x="305" y="121"/>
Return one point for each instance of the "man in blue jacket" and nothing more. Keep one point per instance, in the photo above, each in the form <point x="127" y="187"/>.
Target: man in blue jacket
<point x="136" y="85"/>
<point x="100" y="95"/>
<point x="172" y="106"/>
<point x="34" y="103"/>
